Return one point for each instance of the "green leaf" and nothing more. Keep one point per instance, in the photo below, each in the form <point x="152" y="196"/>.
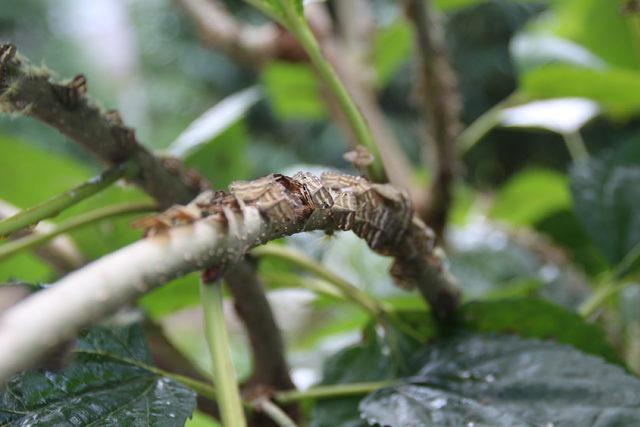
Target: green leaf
<point x="369" y="361"/>
<point x="530" y="196"/>
<point x="490" y="263"/>
<point x="600" y="26"/>
<point x="565" y="230"/>
<point x="281" y="80"/>
<point x="173" y="296"/>
<point x="535" y="318"/>
<point x="106" y="384"/>
<point x="606" y="194"/>
<point x="615" y="89"/>
<point x="36" y="175"/>
<point x="507" y="381"/>
<point x="391" y="48"/>
<point x="224" y="158"/>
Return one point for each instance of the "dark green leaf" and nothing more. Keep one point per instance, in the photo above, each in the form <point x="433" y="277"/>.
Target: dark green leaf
<point x="565" y="230"/>
<point x="507" y="381"/>
<point x="534" y="318"/>
<point x="372" y="360"/>
<point x="490" y="263"/>
<point x="105" y="385"/>
<point x="606" y="194"/>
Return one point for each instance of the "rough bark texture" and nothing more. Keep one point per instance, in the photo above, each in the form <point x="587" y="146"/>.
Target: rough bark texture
<point x="441" y="106"/>
<point x="217" y="229"/>
<point x="31" y="91"/>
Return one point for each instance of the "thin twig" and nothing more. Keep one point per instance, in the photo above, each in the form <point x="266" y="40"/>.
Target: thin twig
<point x="57" y="204"/>
<point x="301" y="31"/>
<point x="331" y="391"/>
<point x="60" y="253"/>
<point x="347" y="289"/>
<point x="274" y="412"/>
<point x="33" y="240"/>
<point x="248" y="44"/>
<point x="441" y="106"/>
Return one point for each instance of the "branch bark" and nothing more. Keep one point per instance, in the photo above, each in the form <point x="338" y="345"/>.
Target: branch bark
<point x="441" y="104"/>
<point x="217" y="229"/>
<point x="248" y="44"/>
<point x="28" y="90"/>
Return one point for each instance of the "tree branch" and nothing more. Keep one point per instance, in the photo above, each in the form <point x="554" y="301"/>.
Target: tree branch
<point x="30" y="91"/>
<point x="217" y="229"/>
<point x="441" y="106"/>
<point x="248" y="44"/>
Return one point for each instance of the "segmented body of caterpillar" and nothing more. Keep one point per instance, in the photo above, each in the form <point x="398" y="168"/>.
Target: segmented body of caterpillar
<point x="378" y="213"/>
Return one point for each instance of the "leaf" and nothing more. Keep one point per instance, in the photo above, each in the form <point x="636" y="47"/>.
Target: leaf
<point x="281" y="80"/>
<point x="615" y="89"/>
<point x="369" y="361"/>
<point x="214" y="122"/>
<point x="173" y="296"/>
<point x="36" y="174"/>
<point x="489" y="262"/>
<point x="530" y="196"/>
<point x="600" y="26"/>
<point x="565" y="230"/>
<point x="533" y="49"/>
<point x="391" y="48"/>
<point x="506" y="381"/>
<point x="106" y="384"/>
<point x="536" y="318"/>
<point x="606" y="195"/>
<point x="224" y="158"/>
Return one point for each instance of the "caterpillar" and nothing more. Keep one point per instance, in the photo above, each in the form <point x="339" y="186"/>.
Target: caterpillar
<point x="378" y="213"/>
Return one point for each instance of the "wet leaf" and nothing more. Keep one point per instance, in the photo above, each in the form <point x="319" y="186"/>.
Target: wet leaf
<point x="104" y="385"/>
<point x="536" y="318"/>
<point x="606" y="194"/>
<point x="371" y="360"/>
<point x="507" y="381"/>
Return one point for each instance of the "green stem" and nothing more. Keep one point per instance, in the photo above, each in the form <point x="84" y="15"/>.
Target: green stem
<point x="575" y="145"/>
<point x="473" y="133"/>
<point x="331" y="391"/>
<point x="57" y="204"/>
<point x="274" y="412"/>
<point x="297" y="25"/>
<point x="35" y="239"/>
<point x="225" y="379"/>
<point x="613" y="286"/>
<point x="345" y="288"/>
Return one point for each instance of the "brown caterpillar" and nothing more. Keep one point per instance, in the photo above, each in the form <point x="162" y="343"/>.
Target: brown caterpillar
<point x="378" y="213"/>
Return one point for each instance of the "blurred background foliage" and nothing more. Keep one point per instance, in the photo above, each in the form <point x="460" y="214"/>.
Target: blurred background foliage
<point x="528" y="219"/>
